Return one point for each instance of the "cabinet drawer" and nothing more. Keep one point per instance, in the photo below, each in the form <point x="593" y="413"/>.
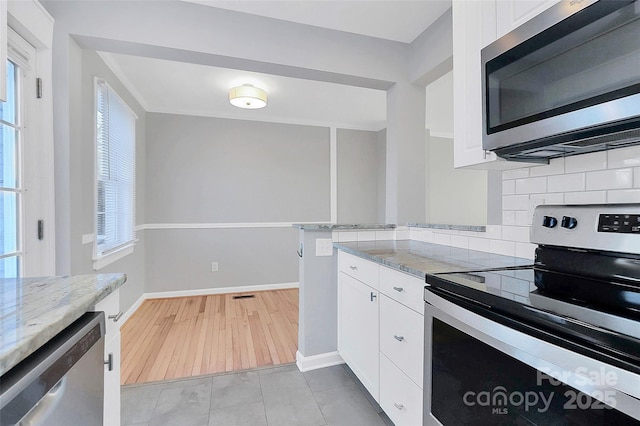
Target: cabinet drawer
<point x="110" y="305"/>
<point x="402" y="337"/>
<point x="400" y="398"/>
<point x="359" y="268"/>
<point x="406" y="289"/>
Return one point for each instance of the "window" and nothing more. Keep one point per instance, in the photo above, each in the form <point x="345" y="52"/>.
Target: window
<point x="115" y="176"/>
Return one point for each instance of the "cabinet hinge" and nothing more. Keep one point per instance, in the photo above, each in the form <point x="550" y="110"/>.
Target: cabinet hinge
<point x="38" y="88"/>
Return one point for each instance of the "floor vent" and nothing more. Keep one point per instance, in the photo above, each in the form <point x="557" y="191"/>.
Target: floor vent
<point x="244" y="296"/>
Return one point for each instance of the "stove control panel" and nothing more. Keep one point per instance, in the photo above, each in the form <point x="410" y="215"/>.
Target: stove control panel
<point x="620" y="223"/>
<point x="601" y="227"/>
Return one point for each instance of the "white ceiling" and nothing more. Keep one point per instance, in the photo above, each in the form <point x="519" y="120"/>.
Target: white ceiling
<point x="191" y="89"/>
<point x="398" y="20"/>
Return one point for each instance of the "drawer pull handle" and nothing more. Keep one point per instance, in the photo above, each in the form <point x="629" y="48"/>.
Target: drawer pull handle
<point x="109" y="362"/>
<point x="398" y="289"/>
<point x="373" y="296"/>
<point x="115" y="317"/>
<point x="398" y="406"/>
<point x="353" y="268"/>
<point x="398" y="338"/>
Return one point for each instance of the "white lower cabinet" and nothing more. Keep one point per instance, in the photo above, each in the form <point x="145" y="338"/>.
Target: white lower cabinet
<point x="358" y="330"/>
<point x="111" y="415"/>
<point x="381" y="334"/>
<point x="111" y="308"/>
<point x="402" y="337"/>
<point x="400" y="397"/>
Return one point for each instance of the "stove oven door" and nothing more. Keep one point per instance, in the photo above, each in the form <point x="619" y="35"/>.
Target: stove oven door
<point x="481" y="371"/>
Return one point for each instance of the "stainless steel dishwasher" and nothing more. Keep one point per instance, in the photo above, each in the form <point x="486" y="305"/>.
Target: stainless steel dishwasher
<point x="62" y="383"/>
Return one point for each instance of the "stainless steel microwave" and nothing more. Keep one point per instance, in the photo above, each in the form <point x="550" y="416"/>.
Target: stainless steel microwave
<point x="566" y="82"/>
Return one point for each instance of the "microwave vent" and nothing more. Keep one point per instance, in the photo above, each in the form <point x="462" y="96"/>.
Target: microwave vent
<point x="619" y="138"/>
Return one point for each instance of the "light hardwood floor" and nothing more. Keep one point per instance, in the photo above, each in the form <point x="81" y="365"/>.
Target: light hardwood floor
<point x="189" y="336"/>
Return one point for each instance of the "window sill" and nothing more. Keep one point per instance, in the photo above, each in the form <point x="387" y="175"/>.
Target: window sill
<point x="112" y="257"/>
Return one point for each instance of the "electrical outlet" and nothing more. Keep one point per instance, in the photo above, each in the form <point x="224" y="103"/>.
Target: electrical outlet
<point x="324" y="247"/>
<point x="214" y="266"/>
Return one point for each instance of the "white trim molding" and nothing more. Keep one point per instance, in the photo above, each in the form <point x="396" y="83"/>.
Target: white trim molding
<point x="314" y="362"/>
<point x="220" y="290"/>
<point x="224" y="225"/>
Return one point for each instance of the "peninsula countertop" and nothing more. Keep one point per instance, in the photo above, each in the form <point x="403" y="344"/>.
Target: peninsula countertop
<point x="33" y="310"/>
<point x="419" y="258"/>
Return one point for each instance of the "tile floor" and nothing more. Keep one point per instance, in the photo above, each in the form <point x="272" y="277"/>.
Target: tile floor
<point x="273" y="396"/>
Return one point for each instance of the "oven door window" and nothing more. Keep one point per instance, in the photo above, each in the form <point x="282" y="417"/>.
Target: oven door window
<point x="474" y="383"/>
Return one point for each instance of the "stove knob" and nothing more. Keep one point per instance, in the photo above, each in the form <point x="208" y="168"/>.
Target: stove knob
<point x="569" y="222"/>
<point x="549" y="222"/>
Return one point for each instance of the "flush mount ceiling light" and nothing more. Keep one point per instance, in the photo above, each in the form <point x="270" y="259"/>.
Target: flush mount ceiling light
<point x="248" y="96"/>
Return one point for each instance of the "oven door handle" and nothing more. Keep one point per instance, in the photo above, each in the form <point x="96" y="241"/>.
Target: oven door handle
<point x="556" y="330"/>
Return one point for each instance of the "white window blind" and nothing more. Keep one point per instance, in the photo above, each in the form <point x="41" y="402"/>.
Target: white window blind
<point x="115" y="172"/>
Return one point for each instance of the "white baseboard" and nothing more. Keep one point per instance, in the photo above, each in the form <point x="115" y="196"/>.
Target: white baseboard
<point x="220" y="290"/>
<point x="313" y="362"/>
<point x="132" y="309"/>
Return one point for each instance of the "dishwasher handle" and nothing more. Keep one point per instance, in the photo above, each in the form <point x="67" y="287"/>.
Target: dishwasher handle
<point x="47" y="405"/>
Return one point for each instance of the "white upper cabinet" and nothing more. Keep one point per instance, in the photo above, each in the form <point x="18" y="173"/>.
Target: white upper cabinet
<point x="477" y="24"/>
<point x="513" y="13"/>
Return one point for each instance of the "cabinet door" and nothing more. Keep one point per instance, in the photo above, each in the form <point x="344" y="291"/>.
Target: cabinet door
<point x="474" y="27"/>
<point x="111" y="415"/>
<point x="511" y="14"/>
<point x="358" y="330"/>
<point x="469" y="30"/>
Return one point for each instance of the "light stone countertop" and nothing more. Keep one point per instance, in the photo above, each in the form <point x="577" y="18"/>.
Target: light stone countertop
<point x="341" y="226"/>
<point x="419" y="259"/>
<point x="33" y="310"/>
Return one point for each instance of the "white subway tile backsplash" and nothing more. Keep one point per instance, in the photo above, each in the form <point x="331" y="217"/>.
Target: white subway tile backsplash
<point x="444" y="239"/>
<point x="515" y="233"/>
<point x="623" y="157"/>
<point x="347" y="236"/>
<point x="636" y="177"/>
<point x="526" y="250"/>
<point x="493" y="232"/>
<point x="479" y="244"/>
<point x="384" y="235"/>
<point x="507" y="248"/>
<point x="459" y="241"/>
<point x="566" y="183"/>
<point x="366" y="235"/>
<point x="508" y="187"/>
<point x="523" y="218"/>
<point x="623" y="196"/>
<point x="515" y="173"/>
<point x="610" y="179"/>
<point x="555" y="167"/>
<point x="402" y="234"/>
<point x="515" y="202"/>
<point x="585" y="162"/>
<point x="508" y="217"/>
<point x="587" y="197"/>
<point x="531" y="185"/>
<point x="548" y="198"/>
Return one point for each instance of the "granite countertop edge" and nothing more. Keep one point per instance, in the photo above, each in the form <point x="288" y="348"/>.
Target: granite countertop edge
<point x="341" y="226"/>
<point x="456" y="259"/>
<point x="54" y="319"/>
<point x="394" y="265"/>
<point x="472" y="228"/>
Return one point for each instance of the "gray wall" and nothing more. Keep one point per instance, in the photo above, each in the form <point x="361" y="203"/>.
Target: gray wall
<point x="454" y="196"/>
<point x="204" y="170"/>
<point x="180" y="259"/>
<point x="360" y="156"/>
<point x="84" y="65"/>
